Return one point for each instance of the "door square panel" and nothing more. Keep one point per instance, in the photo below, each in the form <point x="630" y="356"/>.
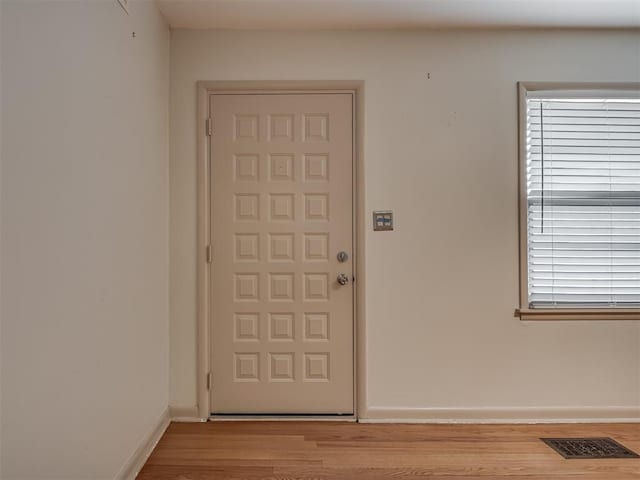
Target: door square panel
<point x="247" y="207"/>
<point x="281" y="287"/>
<point x="281" y="326"/>
<point x="247" y="326"/>
<point x="316" y="167"/>
<point x="246" y="167"/>
<point x="316" y="247"/>
<point x="316" y="326"/>
<point x="281" y="367"/>
<point x="246" y="367"/>
<point x="281" y="167"/>
<point x="246" y="127"/>
<point x="247" y="247"/>
<point x="246" y="287"/>
<point x="316" y="127"/>
<point x="281" y="247"/>
<point x="316" y="206"/>
<point x="316" y="367"/>
<point x="316" y="286"/>
<point x="281" y="206"/>
<point x="281" y="128"/>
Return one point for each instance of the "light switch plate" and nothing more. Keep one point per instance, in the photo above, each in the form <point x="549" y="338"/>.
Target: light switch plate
<point x="382" y="220"/>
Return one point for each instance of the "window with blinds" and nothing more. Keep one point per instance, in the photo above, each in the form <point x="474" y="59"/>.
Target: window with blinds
<point x="583" y="201"/>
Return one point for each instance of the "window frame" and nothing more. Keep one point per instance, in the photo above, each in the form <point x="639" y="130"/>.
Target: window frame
<point x="575" y="90"/>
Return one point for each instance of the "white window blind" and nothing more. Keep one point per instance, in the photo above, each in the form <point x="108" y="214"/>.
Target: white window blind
<point x="583" y="201"/>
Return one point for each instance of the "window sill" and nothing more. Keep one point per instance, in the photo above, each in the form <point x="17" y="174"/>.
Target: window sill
<point x="578" y="314"/>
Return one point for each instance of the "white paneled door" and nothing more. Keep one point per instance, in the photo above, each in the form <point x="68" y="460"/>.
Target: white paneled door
<point x="282" y="271"/>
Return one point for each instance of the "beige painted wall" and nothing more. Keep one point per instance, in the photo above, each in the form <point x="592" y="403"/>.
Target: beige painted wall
<point x="84" y="235"/>
<point x="441" y="153"/>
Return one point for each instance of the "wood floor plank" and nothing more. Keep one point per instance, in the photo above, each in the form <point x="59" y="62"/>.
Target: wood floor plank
<point x="331" y="451"/>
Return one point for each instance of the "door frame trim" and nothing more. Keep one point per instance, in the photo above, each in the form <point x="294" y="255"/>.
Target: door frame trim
<point x="203" y="330"/>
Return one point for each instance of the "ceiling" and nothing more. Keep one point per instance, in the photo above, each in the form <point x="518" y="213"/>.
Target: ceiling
<point x="399" y="14"/>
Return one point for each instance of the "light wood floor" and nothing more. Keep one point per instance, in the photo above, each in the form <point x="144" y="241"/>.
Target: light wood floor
<point x="318" y="450"/>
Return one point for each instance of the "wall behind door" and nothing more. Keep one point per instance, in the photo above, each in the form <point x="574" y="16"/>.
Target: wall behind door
<point x="441" y="153"/>
<point x="84" y="235"/>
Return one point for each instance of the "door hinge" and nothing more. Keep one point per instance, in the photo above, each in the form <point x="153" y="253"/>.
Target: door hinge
<point x="208" y="127"/>
<point x="209" y="381"/>
<point x="209" y="254"/>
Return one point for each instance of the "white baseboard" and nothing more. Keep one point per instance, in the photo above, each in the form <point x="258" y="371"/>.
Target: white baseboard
<point x="282" y="418"/>
<point x="502" y="415"/>
<point x="185" y="415"/>
<point x="137" y="460"/>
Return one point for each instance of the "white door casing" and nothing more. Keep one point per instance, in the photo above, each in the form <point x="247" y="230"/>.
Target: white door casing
<point x="281" y="206"/>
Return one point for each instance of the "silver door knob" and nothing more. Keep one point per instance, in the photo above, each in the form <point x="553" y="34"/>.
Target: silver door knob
<point x="343" y="279"/>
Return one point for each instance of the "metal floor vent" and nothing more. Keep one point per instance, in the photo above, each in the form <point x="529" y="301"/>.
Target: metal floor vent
<point x="589" y="448"/>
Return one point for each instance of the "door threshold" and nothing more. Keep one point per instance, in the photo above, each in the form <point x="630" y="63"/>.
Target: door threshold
<point x="282" y="418"/>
